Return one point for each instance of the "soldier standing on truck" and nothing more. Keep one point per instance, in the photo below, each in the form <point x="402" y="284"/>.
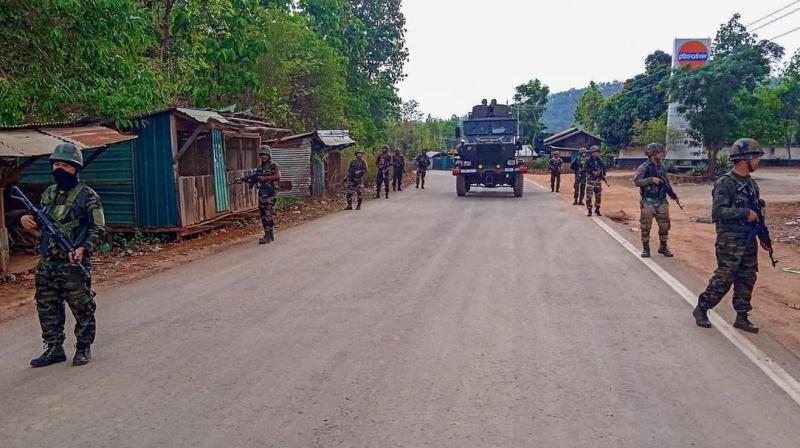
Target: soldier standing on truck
<point x="555" y="166"/>
<point x="383" y="162"/>
<point x="735" y="208"/>
<point x="578" y="168"/>
<point x="355" y="180"/>
<point x="595" y="176"/>
<point x="76" y="208"/>
<point x="422" y="161"/>
<point x="398" y="169"/>
<point x="653" y="182"/>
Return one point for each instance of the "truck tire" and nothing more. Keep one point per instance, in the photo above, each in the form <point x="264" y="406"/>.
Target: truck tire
<point x="519" y="184"/>
<point x="461" y="186"/>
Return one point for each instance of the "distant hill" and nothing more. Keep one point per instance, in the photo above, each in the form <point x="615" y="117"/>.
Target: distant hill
<point x="561" y="106"/>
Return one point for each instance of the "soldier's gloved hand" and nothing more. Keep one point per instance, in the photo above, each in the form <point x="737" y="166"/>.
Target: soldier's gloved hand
<point x="763" y="245"/>
<point x="78" y="257"/>
<point x="28" y="223"/>
<point x="752" y="217"/>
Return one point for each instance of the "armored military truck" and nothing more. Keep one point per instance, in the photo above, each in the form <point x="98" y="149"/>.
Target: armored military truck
<point x="487" y="150"/>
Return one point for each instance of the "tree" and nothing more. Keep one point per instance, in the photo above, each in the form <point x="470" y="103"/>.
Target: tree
<point x="590" y="107"/>
<point x="530" y="102"/>
<point x="757" y="115"/>
<point x="788" y="93"/>
<point x="707" y="95"/>
<point x="646" y="132"/>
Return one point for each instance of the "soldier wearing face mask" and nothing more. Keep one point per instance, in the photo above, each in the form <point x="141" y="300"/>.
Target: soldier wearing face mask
<point x="76" y="208"/>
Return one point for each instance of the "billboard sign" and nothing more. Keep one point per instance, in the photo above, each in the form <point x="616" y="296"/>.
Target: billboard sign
<point x="692" y="53"/>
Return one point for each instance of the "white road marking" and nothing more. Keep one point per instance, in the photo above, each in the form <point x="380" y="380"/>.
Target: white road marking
<point x="775" y="372"/>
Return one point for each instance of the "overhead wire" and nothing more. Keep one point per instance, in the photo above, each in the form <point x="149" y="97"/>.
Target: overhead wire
<point x="773" y="13"/>
<point x="775" y="19"/>
<point x="786" y="33"/>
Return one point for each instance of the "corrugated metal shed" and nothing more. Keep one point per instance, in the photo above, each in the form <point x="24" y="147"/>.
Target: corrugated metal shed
<point x="154" y="180"/>
<point x="203" y="116"/>
<point x="338" y="139"/>
<point x="295" y="165"/>
<point x="37" y="141"/>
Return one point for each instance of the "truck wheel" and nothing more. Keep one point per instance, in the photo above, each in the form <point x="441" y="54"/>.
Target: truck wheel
<point x="519" y="184"/>
<point x="461" y="186"/>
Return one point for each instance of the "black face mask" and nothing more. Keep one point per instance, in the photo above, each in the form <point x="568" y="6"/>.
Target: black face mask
<point x="64" y="179"/>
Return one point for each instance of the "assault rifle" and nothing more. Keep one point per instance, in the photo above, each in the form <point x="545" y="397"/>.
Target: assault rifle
<point x="251" y="180"/>
<point x="49" y="228"/>
<point x="760" y="228"/>
<point x="666" y="187"/>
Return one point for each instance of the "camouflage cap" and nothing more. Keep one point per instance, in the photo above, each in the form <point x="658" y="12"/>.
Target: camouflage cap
<point x="746" y="149"/>
<point x="653" y="148"/>
<point x="265" y="150"/>
<point x="595" y="148"/>
<point x="359" y="151"/>
<point x="69" y="153"/>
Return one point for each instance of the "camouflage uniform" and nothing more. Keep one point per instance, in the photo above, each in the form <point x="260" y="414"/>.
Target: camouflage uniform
<point x="383" y="162"/>
<point x="355" y="182"/>
<point x="555" y="166"/>
<point x="734" y="198"/>
<point x="422" y="161"/>
<point x="267" y="195"/>
<point x="80" y="214"/>
<point x="398" y="169"/>
<point x="654" y="200"/>
<point x="578" y="167"/>
<point x="594" y="183"/>
<point x="737" y="262"/>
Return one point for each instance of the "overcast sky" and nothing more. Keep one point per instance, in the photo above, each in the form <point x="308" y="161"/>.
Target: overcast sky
<point x="465" y="50"/>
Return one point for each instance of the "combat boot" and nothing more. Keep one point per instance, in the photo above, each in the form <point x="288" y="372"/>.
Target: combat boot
<point x="597" y="211"/>
<point x="83" y="354"/>
<point x="645" y="250"/>
<point x="358" y="205"/>
<point x="580" y="202"/>
<point x="744" y="324"/>
<point x="701" y="317"/>
<point x="349" y="205"/>
<point x="264" y="239"/>
<point x="423" y="186"/>
<point x="664" y="250"/>
<point x="575" y="202"/>
<point x="53" y="353"/>
<point x="271" y="235"/>
<point x="588" y="212"/>
<point x="417" y="186"/>
<point x="378" y="195"/>
<point x="387" y="195"/>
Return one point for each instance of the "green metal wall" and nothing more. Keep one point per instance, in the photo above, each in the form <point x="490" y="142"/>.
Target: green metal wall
<point x="157" y="203"/>
<point x="110" y="175"/>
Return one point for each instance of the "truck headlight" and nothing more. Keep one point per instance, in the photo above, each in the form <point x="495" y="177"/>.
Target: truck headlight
<point x="480" y="167"/>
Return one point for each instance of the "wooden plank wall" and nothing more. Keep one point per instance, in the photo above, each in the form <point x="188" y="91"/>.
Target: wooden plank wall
<point x="196" y="199"/>
<point x="240" y="195"/>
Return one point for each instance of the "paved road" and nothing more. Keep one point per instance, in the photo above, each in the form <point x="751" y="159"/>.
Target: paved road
<point x="423" y="321"/>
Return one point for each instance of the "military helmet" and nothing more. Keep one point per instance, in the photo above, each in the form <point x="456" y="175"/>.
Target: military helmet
<point x="385" y="147"/>
<point x="746" y="149"/>
<point x="653" y="148"/>
<point x="265" y="150"/>
<point x="359" y="151"/>
<point x="69" y="153"/>
<point x="583" y="151"/>
<point x="595" y="148"/>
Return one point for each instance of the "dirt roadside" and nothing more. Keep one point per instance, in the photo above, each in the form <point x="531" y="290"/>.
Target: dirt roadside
<point x="776" y="300"/>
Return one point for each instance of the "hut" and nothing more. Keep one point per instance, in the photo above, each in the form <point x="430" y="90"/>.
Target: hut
<point x="312" y="162"/>
<point x="569" y="142"/>
<point x="183" y="162"/>
<point x="23" y="160"/>
<point x="440" y="160"/>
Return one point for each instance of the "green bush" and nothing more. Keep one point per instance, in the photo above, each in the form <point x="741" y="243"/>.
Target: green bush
<point x="287" y="202"/>
<point x="670" y="167"/>
<point x="538" y="164"/>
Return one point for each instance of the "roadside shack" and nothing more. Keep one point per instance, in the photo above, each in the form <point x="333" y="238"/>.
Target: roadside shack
<point x="569" y="142"/>
<point x="312" y="161"/>
<point x="24" y="152"/>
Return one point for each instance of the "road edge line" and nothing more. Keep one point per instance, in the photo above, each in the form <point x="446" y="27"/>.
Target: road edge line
<point x="775" y="372"/>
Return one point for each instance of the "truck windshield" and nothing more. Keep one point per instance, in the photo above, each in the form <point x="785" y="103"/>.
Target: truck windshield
<point x="504" y="127"/>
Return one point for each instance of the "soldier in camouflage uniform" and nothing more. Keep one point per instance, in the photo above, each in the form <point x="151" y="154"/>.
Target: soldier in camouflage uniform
<point x="578" y="167"/>
<point x="398" y="169"/>
<point x="355" y="180"/>
<point x="422" y="161"/>
<point x="77" y="209"/>
<point x="383" y="162"/>
<point x="268" y="175"/>
<point x="555" y="166"/>
<point x="737" y="259"/>
<point x="653" y="182"/>
<point x="595" y="175"/>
